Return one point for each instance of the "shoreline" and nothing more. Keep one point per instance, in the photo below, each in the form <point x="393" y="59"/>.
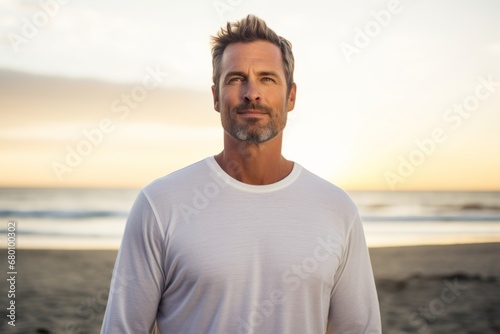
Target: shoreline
<point x="65" y="291"/>
<point x="113" y="245"/>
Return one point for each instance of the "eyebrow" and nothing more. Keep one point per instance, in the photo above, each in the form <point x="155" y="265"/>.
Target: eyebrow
<point x="260" y="74"/>
<point x="268" y="74"/>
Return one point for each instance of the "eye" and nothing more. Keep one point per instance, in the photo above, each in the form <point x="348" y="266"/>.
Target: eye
<point x="235" y="80"/>
<point x="268" y="79"/>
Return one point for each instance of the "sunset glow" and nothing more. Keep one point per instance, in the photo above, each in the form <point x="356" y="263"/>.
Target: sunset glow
<point x="116" y="97"/>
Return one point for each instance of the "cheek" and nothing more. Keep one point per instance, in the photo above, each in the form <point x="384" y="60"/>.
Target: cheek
<point x="226" y="96"/>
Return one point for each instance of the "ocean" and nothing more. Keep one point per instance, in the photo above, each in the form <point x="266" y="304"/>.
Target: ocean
<point x="95" y="218"/>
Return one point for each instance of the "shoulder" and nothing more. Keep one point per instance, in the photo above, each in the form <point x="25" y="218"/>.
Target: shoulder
<point x="177" y="182"/>
<point x="323" y="190"/>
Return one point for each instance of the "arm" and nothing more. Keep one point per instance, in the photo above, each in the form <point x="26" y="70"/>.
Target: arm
<point x="354" y="304"/>
<point x="138" y="276"/>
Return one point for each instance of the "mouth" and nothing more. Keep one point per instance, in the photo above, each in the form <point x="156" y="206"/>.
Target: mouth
<point x="251" y="112"/>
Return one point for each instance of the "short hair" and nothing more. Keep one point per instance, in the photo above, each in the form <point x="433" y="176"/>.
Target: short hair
<point x="249" y="29"/>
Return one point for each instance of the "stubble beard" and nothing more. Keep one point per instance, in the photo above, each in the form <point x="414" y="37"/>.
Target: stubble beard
<point x="251" y="134"/>
<point x="251" y="131"/>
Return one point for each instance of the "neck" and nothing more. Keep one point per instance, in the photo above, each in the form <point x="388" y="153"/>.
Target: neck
<point x="256" y="164"/>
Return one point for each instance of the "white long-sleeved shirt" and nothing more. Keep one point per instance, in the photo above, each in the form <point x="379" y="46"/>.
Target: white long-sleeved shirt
<point x="205" y="253"/>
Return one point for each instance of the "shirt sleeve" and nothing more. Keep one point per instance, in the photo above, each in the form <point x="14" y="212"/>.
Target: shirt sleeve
<point x="354" y="307"/>
<point x="138" y="275"/>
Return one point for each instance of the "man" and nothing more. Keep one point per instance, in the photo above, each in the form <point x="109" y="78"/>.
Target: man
<point x="246" y="241"/>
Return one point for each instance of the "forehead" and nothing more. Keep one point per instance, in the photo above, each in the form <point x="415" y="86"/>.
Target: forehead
<point x="241" y="56"/>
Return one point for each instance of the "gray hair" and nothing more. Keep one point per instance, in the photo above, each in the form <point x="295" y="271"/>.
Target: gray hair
<point x="249" y="29"/>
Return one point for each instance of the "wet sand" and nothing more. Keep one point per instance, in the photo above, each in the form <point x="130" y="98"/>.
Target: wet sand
<point x="422" y="289"/>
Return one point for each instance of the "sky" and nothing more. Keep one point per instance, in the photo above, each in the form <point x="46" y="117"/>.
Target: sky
<point x="392" y="95"/>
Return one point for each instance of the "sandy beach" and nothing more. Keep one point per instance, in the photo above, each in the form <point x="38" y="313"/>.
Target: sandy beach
<point x="422" y="289"/>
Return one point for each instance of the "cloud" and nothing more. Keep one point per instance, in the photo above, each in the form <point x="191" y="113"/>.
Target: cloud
<point x="493" y="48"/>
<point x="31" y="100"/>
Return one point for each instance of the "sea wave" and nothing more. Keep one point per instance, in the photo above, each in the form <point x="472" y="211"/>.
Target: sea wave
<point x="62" y="214"/>
<point x="465" y="207"/>
<point x="464" y="218"/>
<point x="479" y="207"/>
<point x="78" y="234"/>
<point x="83" y="214"/>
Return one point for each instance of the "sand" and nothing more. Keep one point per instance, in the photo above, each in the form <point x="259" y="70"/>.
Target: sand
<point x="422" y="289"/>
<point x="439" y="289"/>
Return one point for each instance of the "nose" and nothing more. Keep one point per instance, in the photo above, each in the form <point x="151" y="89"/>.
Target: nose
<point x="251" y="92"/>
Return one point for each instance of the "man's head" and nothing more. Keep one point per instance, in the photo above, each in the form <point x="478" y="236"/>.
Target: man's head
<point x="250" y="29"/>
<point x="253" y="80"/>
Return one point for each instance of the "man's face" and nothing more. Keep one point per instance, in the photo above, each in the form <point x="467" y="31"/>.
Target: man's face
<point x="252" y="98"/>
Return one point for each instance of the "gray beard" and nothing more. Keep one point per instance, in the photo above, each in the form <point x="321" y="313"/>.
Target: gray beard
<point x="254" y="136"/>
<point x="250" y="131"/>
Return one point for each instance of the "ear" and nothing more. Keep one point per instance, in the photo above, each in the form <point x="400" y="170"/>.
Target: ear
<point x="216" y="99"/>
<point x="291" y="97"/>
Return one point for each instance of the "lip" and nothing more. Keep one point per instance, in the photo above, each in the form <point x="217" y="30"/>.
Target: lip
<point x="251" y="112"/>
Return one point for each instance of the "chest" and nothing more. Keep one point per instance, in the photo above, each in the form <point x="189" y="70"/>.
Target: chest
<point x="241" y="246"/>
